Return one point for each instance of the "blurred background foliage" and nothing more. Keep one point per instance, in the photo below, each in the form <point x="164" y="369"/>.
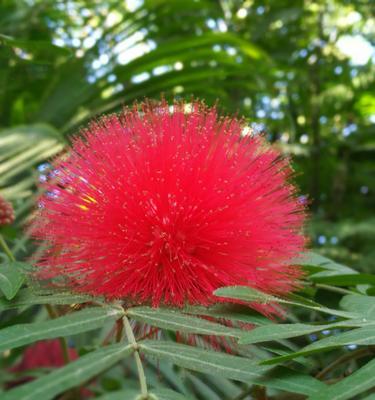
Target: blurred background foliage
<point x="302" y="71"/>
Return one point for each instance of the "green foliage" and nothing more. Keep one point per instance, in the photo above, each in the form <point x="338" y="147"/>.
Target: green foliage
<point x="70" y="324"/>
<point x="11" y="279"/>
<point x="353" y="324"/>
<point x="277" y="63"/>
<point x="71" y="375"/>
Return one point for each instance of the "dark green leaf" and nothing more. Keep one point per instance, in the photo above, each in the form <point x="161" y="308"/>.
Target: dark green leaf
<point x="345" y="280"/>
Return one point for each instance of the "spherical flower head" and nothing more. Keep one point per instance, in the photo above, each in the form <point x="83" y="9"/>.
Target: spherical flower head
<point x="164" y="204"/>
<point x="43" y="354"/>
<point x="6" y="212"/>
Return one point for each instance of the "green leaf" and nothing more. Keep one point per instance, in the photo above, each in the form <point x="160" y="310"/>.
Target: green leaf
<point x="168" y="394"/>
<point x="127" y="394"/>
<point x="331" y="268"/>
<point x="21" y="148"/>
<point x="11" y="279"/>
<point x="284" y="331"/>
<point x="71" y="324"/>
<point x="361" y="336"/>
<point x="26" y="298"/>
<point x="210" y="362"/>
<point x="348" y="388"/>
<point x="233" y="367"/>
<point x="177" y="321"/>
<point x="231" y="313"/>
<point x="346" y="279"/>
<point x="155" y="394"/>
<point x="73" y="374"/>
<point x="363" y="305"/>
<point x="244" y="293"/>
<point x="251" y="295"/>
<point x="43" y="51"/>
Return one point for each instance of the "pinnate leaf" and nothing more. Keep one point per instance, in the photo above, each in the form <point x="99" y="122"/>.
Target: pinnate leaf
<point x="71" y="324"/>
<point x="73" y="374"/>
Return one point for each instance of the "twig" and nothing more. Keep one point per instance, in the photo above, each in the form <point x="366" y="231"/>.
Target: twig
<point x="141" y="373"/>
<point x="6" y="249"/>
<point x="346" y="357"/>
<point x="332" y="288"/>
<point x="63" y="343"/>
<point x="119" y="329"/>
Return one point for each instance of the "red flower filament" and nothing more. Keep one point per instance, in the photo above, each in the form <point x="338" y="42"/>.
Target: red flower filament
<point x="164" y="207"/>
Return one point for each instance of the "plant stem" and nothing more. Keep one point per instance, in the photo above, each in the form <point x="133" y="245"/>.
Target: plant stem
<point x="119" y="329"/>
<point x="141" y="372"/>
<point x="333" y="288"/>
<point x="6" y="249"/>
<point x="346" y="357"/>
<point x="63" y="343"/>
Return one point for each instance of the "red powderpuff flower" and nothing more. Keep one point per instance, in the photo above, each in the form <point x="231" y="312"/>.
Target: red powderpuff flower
<point x="43" y="354"/>
<point x="6" y="212"/>
<point x="163" y="205"/>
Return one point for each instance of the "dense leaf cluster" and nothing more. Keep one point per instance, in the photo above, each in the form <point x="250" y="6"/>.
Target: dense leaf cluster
<point x="281" y="66"/>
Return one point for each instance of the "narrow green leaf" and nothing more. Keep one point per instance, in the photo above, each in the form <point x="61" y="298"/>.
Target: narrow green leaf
<point x="11" y="279"/>
<point x="221" y="311"/>
<point x="198" y="359"/>
<point x="155" y="394"/>
<point x="284" y="331"/>
<point x="348" y="388"/>
<point x="73" y="374"/>
<point x="361" y="336"/>
<point x="77" y="322"/>
<point x="168" y="394"/>
<point x="177" y="321"/>
<point x="233" y="367"/>
<point x="44" y="49"/>
<point x="25" y="297"/>
<point x="370" y="397"/>
<point x="363" y="305"/>
<point x="202" y="389"/>
<point x="127" y="394"/>
<point x="331" y="267"/>
<point x="245" y="293"/>
<point x="346" y="279"/>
